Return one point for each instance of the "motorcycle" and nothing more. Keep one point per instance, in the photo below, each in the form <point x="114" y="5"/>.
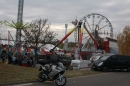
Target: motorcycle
<point x="52" y="72"/>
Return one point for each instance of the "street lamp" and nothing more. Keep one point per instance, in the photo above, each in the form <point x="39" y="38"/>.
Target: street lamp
<point x="66" y="41"/>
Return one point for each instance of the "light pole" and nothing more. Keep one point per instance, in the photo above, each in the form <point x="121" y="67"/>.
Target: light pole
<point x="66" y="41"/>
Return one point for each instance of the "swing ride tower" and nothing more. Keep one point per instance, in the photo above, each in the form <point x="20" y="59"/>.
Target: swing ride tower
<point x="19" y="20"/>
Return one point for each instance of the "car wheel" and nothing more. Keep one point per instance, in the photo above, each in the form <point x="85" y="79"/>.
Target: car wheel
<point x="128" y="69"/>
<point x="105" y="69"/>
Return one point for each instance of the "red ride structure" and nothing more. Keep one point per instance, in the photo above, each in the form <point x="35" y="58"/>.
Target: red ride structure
<point x="94" y="33"/>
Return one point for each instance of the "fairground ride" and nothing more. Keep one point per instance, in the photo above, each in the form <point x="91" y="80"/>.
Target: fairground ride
<point x="90" y="32"/>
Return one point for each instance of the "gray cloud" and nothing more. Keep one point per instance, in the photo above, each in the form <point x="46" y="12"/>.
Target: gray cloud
<point x="60" y="12"/>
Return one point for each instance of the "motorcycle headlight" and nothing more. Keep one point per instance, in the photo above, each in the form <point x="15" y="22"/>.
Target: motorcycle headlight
<point x="99" y="64"/>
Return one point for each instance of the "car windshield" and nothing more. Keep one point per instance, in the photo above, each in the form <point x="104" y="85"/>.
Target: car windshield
<point x="96" y="57"/>
<point x="104" y="58"/>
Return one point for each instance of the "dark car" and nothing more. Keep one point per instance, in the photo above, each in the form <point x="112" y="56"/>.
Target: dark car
<point x="112" y="62"/>
<point x="95" y="57"/>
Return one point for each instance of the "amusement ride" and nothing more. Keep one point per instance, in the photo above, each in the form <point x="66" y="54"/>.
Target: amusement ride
<point x="89" y="32"/>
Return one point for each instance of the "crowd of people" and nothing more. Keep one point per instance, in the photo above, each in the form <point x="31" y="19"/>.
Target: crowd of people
<point x="12" y="59"/>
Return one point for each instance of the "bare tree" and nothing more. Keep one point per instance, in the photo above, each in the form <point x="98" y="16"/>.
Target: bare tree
<point x="39" y="35"/>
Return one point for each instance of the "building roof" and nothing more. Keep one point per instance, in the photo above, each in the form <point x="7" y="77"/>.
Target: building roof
<point x="110" y="39"/>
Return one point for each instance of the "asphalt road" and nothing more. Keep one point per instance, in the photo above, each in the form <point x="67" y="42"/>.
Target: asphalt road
<point x="106" y="79"/>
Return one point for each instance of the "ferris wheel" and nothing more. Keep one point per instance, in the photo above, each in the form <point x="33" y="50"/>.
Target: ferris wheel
<point x="97" y="25"/>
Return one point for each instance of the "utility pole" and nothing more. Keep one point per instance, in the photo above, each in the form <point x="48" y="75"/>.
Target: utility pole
<point x="66" y="41"/>
<point x="19" y="20"/>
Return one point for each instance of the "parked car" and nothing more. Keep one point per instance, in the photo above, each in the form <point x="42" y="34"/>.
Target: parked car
<point x="112" y="62"/>
<point x="95" y="57"/>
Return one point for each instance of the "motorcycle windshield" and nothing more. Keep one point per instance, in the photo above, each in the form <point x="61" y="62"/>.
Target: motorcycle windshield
<point x="61" y="65"/>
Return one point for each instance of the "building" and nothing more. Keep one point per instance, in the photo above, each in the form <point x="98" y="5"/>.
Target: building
<point x="111" y="45"/>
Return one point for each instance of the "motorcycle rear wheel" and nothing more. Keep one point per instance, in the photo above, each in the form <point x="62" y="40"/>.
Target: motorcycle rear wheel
<point x="42" y="77"/>
<point x="61" y="82"/>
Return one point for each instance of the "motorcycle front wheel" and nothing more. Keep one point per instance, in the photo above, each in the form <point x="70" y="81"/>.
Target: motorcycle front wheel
<point x="42" y="77"/>
<point x="60" y="80"/>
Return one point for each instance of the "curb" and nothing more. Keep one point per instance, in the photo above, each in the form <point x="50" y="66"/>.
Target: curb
<point x="2" y="84"/>
<point x="85" y="67"/>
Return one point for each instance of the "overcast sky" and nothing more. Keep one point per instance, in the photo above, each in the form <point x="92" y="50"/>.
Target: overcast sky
<point x="60" y="12"/>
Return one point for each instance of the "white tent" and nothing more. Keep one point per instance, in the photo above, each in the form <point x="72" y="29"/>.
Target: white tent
<point x="48" y="47"/>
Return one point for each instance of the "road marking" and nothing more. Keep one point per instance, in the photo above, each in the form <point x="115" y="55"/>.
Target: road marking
<point x="23" y="84"/>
